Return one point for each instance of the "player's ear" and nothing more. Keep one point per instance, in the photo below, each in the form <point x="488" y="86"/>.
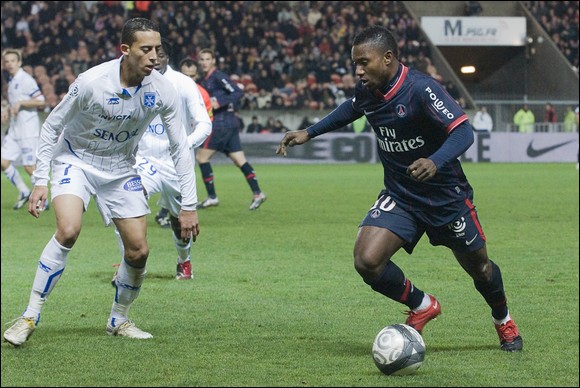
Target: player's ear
<point x="388" y="57"/>
<point x="124" y="48"/>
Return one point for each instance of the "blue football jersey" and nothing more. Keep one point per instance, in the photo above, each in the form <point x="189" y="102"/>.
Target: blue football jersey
<point x="220" y="87"/>
<point x="411" y="120"/>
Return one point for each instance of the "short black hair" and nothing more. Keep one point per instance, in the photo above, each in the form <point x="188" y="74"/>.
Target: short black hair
<point x="131" y="26"/>
<point x="378" y="36"/>
<point x="167" y="47"/>
<point x="187" y="62"/>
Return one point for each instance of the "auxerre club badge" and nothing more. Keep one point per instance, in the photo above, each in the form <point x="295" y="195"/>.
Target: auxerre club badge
<point x="149" y="99"/>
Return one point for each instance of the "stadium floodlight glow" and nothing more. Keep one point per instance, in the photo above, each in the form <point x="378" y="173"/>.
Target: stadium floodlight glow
<point x="467" y="69"/>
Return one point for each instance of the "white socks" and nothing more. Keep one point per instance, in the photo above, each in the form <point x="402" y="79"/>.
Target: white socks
<point x="502" y="321"/>
<point x="50" y="267"/>
<point x="128" y="285"/>
<point x="426" y="302"/>
<point x="14" y="176"/>
<point x="182" y="249"/>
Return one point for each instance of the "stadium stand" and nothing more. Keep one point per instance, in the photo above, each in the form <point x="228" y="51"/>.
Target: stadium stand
<point x="285" y="54"/>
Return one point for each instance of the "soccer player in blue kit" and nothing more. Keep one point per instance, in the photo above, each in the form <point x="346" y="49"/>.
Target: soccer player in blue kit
<point x="421" y="131"/>
<point x="225" y="96"/>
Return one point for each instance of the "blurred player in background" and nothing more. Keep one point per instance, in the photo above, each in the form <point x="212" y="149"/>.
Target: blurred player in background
<point x="421" y="132"/>
<point x="189" y="68"/>
<point x="225" y="95"/>
<point x="21" y="140"/>
<point x="90" y="139"/>
<point x="154" y="163"/>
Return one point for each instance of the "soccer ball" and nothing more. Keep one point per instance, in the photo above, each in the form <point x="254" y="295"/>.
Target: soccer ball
<point x="398" y="350"/>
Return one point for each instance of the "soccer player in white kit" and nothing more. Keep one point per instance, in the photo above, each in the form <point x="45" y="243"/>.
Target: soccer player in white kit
<point x="90" y="139"/>
<point x="154" y="163"/>
<point x="21" y="141"/>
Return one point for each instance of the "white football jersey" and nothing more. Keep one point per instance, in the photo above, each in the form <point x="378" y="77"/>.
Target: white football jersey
<point x="23" y="87"/>
<point x="98" y="125"/>
<point x="155" y="144"/>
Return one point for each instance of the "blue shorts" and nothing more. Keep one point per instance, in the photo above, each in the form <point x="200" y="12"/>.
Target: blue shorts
<point x="463" y="235"/>
<point x="225" y="140"/>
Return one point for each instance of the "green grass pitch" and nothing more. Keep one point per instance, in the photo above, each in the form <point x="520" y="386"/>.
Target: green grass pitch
<point x="276" y="301"/>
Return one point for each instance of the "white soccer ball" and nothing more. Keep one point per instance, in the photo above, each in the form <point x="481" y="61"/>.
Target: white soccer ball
<point x="398" y="350"/>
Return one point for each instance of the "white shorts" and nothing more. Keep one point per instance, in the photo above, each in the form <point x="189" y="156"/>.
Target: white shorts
<point x="119" y="198"/>
<point x="161" y="178"/>
<point x="20" y="151"/>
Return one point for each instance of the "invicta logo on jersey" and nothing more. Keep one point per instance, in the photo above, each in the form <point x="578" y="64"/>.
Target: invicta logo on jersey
<point x="108" y="117"/>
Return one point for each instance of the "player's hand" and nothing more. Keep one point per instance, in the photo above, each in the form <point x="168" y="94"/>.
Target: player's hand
<point x="5" y="116"/>
<point x="422" y="169"/>
<point x="189" y="225"/>
<point x="14" y="109"/>
<point x="292" y="138"/>
<point x="37" y="199"/>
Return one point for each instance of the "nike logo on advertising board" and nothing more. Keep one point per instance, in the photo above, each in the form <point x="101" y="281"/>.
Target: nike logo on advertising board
<point x="535" y="152"/>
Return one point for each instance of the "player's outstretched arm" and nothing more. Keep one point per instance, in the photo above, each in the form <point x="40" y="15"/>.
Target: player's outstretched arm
<point x="292" y="138"/>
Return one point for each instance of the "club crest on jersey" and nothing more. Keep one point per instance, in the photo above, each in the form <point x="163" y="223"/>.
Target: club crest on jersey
<point x="149" y="99"/>
<point x="401" y="110"/>
<point x="133" y="184"/>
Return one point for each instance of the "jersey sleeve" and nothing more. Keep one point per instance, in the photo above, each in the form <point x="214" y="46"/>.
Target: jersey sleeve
<point x="199" y="126"/>
<point x="53" y="127"/>
<point x="178" y="148"/>
<point x="441" y="108"/>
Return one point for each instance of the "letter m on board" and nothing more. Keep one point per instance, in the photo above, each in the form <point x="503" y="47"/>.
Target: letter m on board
<point x="450" y="29"/>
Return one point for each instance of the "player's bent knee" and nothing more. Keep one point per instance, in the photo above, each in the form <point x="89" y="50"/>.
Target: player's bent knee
<point x="67" y="236"/>
<point x="367" y="267"/>
<point x="137" y="257"/>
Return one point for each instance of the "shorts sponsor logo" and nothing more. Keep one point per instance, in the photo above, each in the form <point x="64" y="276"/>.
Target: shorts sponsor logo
<point x="133" y="184"/>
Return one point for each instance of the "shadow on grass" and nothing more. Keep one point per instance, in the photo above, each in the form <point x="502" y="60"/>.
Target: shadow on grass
<point x="454" y="348"/>
<point x="350" y="348"/>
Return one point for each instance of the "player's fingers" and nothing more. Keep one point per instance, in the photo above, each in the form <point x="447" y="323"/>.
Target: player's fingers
<point x="281" y="150"/>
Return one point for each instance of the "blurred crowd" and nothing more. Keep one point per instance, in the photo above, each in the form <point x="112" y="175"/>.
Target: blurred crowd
<point x="285" y="54"/>
<point x="560" y="20"/>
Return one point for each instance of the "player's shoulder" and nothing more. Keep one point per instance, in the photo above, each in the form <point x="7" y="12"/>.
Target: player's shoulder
<point x="417" y="78"/>
<point x="179" y="79"/>
<point x="97" y="73"/>
<point x="159" y="80"/>
<point x="23" y="77"/>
